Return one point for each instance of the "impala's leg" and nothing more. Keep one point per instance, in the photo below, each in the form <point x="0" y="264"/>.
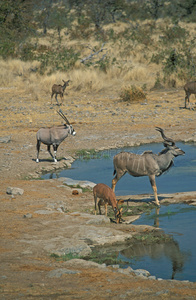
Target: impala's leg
<point x="119" y="174"/>
<point x="56" y="99"/>
<point x="95" y="199"/>
<point x="154" y="187"/>
<point x="52" y="96"/>
<point x="106" y="209"/>
<point x="99" y="206"/>
<point x="38" y="148"/>
<point x="61" y="99"/>
<point x="186" y="99"/>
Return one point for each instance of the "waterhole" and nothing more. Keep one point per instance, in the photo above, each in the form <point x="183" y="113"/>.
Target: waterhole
<point x="180" y="178"/>
<point x="172" y="259"/>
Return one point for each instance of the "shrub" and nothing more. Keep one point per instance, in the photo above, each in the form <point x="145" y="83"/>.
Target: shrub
<point x="132" y="94"/>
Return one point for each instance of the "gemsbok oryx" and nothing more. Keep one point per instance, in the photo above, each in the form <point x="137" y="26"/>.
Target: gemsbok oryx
<point x="107" y="197"/>
<point x="59" y="89"/>
<point x="147" y="163"/>
<point x="54" y="136"/>
<point x="189" y="88"/>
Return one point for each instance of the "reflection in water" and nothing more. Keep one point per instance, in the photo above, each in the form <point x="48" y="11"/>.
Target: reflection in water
<point x="156" y="219"/>
<point x="175" y="258"/>
<point x="170" y="249"/>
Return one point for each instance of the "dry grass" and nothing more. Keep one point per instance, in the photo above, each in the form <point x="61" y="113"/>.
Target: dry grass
<point x="131" y="65"/>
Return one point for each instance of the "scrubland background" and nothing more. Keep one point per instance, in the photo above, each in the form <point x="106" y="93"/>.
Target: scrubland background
<point x="99" y="46"/>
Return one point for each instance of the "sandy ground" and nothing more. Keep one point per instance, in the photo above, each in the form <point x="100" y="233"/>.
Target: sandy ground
<point x="101" y="122"/>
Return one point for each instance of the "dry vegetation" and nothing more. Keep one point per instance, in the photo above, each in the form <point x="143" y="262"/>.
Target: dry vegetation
<point x="129" y="62"/>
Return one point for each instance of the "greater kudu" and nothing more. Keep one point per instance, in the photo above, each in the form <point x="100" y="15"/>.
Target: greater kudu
<point x="146" y="164"/>
<point x="58" y="89"/>
<point x="54" y="136"/>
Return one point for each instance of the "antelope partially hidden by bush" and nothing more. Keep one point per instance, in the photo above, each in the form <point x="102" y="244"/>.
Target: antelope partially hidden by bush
<point x="54" y="136"/>
<point x="58" y="89"/>
<point x="146" y="164"/>
<point x="107" y="197"/>
<point x="189" y="88"/>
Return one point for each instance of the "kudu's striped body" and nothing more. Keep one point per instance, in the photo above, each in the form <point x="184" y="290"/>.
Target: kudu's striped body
<point x="53" y="136"/>
<point x="146" y="164"/>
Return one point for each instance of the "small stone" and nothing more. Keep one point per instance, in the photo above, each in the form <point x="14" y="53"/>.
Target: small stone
<point x="28" y="216"/>
<point x="14" y="191"/>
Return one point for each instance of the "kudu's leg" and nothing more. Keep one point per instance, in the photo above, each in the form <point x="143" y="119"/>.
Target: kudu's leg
<point x="154" y="187"/>
<point x="38" y="148"/>
<point x="117" y="178"/>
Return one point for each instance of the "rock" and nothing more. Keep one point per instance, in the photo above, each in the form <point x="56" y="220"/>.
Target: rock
<point x="81" y="183"/>
<point x="14" y="191"/>
<point x="28" y="216"/>
<point x="73" y="247"/>
<point x="141" y="272"/>
<point x="5" y="139"/>
<point x="44" y="212"/>
<point x="98" y="220"/>
<point x="76" y="191"/>
<point x="59" y="272"/>
<point x="131" y="219"/>
<point x="84" y="264"/>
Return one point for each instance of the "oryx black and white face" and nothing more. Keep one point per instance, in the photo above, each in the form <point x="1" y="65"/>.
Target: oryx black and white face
<point x="71" y="130"/>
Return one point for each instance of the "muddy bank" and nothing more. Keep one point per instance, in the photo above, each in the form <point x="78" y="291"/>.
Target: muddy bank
<point x="47" y="217"/>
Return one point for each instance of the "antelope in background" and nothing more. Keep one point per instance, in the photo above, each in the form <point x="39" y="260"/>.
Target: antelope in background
<point x="189" y="88"/>
<point x="146" y="164"/>
<point x="58" y="89"/>
<point x="107" y="197"/>
<point x="54" y="136"/>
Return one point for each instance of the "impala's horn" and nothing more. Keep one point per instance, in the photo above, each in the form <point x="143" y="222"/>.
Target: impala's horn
<point x="169" y="141"/>
<point x="61" y="114"/>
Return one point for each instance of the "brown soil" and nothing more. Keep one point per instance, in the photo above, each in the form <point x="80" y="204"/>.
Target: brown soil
<point x="101" y="121"/>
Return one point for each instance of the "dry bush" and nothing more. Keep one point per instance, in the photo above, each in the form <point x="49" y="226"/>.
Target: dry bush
<point x="132" y="94"/>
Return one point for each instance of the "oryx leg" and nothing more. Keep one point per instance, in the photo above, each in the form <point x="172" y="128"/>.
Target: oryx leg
<point x="48" y="148"/>
<point x="55" y="147"/>
<point x="154" y="187"/>
<point x="38" y="148"/>
<point x="118" y="176"/>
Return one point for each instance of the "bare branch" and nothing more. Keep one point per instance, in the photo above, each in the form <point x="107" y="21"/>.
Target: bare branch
<point x="94" y="53"/>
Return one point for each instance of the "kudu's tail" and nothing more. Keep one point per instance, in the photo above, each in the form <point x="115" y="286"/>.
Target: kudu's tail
<point x="114" y="172"/>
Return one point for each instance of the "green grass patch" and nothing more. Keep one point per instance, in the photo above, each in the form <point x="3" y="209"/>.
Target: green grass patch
<point x="87" y="154"/>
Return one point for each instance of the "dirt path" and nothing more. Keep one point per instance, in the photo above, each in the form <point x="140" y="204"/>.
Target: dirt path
<point x="101" y="122"/>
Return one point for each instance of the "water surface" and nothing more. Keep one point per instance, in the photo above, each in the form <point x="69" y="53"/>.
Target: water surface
<point x="175" y="259"/>
<point x="180" y="178"/>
